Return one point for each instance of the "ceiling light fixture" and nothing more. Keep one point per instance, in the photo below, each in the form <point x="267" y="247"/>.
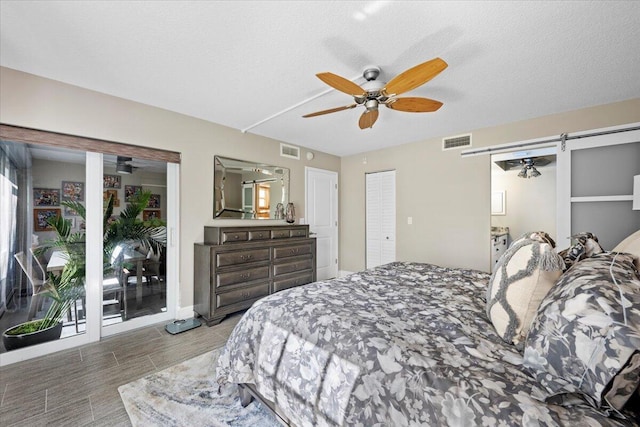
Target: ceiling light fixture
<point x="122" y="166"/>
<point x="534" y="172"/>
<point x="528" y="169"/>
<point x="523" y="173"/>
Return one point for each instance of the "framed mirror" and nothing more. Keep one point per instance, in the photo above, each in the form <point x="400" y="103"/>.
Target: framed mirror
<point x="249" y="190"/>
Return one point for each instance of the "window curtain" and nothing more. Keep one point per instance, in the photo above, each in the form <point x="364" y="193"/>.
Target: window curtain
<point x="8" y="215"/>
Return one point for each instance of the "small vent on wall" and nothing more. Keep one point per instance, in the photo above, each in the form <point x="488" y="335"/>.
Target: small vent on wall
<point x="290" y="151"/>
<point x="454" y="142"/>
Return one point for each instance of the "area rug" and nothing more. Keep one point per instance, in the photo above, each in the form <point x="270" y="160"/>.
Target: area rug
<point x="187" y="395"/>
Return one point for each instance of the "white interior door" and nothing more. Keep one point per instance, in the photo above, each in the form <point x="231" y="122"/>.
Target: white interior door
<point x="380" y="218"/>
<point x="322" y="217"/>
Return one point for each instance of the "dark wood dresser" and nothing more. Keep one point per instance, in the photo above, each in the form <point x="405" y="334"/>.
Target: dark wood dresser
<point x="236" y="266"/>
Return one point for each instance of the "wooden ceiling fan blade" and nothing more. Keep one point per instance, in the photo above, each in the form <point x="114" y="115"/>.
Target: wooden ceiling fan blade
<point x="368" y="118"/>
<point x="341" y="84"/>
<point x="331" y="110"/>
<point x="415" y="105"/>
<point x="414" y="77"/>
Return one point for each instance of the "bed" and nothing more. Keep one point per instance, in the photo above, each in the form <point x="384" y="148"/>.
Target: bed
<point x="407" y="344"/>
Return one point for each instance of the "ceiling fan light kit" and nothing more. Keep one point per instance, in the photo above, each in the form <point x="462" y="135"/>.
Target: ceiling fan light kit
<point x="373" y="92"/>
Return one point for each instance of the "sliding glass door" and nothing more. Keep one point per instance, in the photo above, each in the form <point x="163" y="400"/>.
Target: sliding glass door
<point x="136" y="216"/>
<point x="87" y="240"/>
<point x="42" y="244"/>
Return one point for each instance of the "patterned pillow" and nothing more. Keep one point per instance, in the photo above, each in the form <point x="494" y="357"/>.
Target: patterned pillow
<point x="524" y="275"/>
<point x="586" y="246"/>
<point x="585" y="338"/>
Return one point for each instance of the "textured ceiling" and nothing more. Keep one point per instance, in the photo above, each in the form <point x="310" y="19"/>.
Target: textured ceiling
<point x="239" y="63"/>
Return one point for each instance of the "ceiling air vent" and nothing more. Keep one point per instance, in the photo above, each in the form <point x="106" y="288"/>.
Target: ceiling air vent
<point x="290" y="151"/>
<point x="453" y="142"/>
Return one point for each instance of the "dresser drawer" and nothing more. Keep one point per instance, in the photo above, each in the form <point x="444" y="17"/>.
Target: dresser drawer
<point x="233" y="277"/>
<point x="288" y="251"/>
<point x="243" y="294"/>
<point x="292" y="281"/>
<point x="280" y="233"/>
<point x="234" y="236"/>
<point x="291" y="267"/>
<point x="299" y="232"/>
<point x="259" y="235"/>
<point x="241" y="257"/>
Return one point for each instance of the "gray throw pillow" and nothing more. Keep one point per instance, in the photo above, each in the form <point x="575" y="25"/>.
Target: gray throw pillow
<point x="585" y="338"/>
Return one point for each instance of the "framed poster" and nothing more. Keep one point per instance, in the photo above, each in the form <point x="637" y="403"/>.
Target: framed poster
<point x="130" y="191"/>
<point x="41" y="218"/>
<point x="109" y="193"/>
<point x="154" y="202"/>
<point x="46" y="197"/>
<point x="72" y="190"/>
<point x="69" y="212"/>
<point x="149" y="215"/>
<point x="112" y="181"/>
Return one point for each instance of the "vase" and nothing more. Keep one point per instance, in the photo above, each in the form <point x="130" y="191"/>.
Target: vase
<point x="12" y="342"/>
<point x="290" y="215"/>
<point x="279" y="211"/>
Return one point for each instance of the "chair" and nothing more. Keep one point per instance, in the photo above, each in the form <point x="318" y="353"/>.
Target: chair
<point x="41" y="261"/>
<point x="37" y="285"/>
<point x="151" y="268"/>
<point x="116" y="283"/>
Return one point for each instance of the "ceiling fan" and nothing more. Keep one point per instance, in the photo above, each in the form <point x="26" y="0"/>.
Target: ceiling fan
<point x="123" y="166"/>
<point x="374" y="93"/>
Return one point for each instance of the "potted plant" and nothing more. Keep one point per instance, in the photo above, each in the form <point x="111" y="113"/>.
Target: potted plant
<point x="65" y="288"/>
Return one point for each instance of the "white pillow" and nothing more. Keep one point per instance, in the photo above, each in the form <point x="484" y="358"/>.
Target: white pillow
<point x="523" y="277"/>
<point x="631" y="245"/>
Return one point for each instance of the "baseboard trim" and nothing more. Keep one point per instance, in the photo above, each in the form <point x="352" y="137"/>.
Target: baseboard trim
<point x="343" y="273"/>
<point x="185" y="312"/>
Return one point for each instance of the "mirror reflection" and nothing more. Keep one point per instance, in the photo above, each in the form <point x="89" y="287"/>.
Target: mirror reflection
<point x="249" y="190"/>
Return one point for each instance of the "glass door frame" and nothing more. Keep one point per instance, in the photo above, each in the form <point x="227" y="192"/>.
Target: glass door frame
<point x="172" y="267"/>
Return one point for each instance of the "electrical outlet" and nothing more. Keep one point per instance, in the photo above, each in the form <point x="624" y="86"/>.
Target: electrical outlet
<point x="409" y="220"/>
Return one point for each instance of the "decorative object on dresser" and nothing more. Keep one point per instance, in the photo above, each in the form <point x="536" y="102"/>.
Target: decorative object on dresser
<point x="291" y="213"/>
<point x="236" y="266"/>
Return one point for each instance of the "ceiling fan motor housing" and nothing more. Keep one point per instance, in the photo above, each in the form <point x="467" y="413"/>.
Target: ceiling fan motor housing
<point x="371" y="72"/>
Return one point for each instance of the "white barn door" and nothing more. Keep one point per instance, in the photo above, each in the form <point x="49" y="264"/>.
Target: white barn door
<point x="322" y="217"/>
<point x="595" y="186"/>
<point x="380" y="218"/>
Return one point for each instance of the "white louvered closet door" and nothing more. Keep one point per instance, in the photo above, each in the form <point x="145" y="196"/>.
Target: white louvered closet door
<point x="380" y="218"/>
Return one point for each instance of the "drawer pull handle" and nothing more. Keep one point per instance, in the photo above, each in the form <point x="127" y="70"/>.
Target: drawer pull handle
<point x="236" y="237"/>
<point x="246" y="295"/>
<point x="246" y="275"/>
<point x="245" y="257"/>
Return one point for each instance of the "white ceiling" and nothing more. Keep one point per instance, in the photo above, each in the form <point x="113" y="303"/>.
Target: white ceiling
<point x="238" y="63"/>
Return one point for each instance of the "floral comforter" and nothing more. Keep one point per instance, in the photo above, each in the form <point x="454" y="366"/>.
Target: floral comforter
<point x="397" y="345"/>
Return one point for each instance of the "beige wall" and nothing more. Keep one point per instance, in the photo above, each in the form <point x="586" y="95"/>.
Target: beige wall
<point x="448" y="196"/>
<point x="39" y="103"/>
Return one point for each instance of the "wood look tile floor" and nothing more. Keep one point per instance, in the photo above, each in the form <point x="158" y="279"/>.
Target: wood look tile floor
<point x="79" y="387"/>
